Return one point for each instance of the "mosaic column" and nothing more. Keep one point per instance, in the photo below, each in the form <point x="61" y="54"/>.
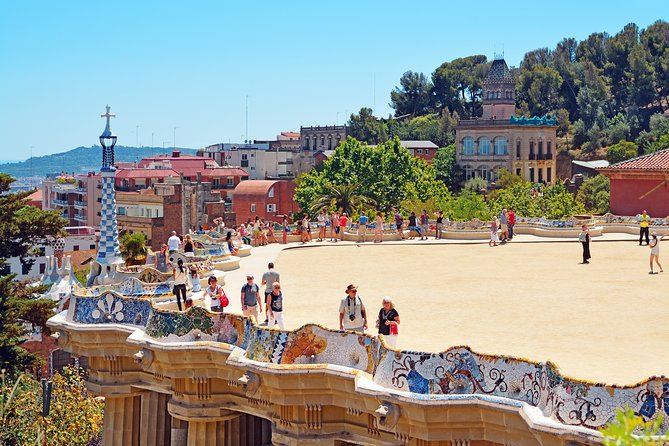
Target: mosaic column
<point x="109" y="251"/>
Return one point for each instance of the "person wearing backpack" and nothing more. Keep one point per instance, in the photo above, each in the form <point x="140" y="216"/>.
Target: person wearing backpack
<point x="250" y="302"/>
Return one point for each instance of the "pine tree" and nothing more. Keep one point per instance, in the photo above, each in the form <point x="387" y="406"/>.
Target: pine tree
<point x="22" y="227"/>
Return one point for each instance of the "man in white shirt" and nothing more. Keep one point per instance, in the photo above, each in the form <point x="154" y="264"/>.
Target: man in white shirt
<point x="173" y="242"/>
<point x="352" y="313"/>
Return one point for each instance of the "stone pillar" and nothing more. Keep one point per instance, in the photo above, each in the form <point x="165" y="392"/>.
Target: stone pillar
<point x="156" y="422"/>
<point x="206" y="433"/>
<point x="179" y="435"/>
<point x="121" y="421"/>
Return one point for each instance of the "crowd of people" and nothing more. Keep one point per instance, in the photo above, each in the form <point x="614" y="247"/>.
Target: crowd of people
<point x="352" y="313"/>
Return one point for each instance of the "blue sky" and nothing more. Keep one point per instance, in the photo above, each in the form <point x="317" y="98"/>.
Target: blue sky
<point x="191" y="65"/>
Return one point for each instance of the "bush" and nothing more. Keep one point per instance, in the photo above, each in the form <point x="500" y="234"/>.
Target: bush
<point x="75" y="417"/>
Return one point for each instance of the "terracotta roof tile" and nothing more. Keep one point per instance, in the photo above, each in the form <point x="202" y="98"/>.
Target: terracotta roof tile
<point x="652" y="161"/>
<point x="254" y="187"/>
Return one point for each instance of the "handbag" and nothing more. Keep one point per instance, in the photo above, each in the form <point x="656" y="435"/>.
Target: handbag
<point x="393" y="329"/>
<point x="224" y="300"/>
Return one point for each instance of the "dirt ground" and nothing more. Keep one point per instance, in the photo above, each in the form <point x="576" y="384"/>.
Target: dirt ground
<point x="607" y="321"/>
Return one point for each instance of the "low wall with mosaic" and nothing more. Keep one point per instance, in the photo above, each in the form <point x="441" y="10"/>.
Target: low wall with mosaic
<point x="419" y="375"/>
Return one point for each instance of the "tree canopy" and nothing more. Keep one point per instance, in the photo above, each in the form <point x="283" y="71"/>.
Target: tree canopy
<point x="22" y="227"/>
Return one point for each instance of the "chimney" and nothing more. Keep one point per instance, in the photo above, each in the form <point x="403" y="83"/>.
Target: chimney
<point x="175" y="154"/>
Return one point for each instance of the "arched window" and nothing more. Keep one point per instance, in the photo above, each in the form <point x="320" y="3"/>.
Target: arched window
<point x="549" y="145"/>
<point x="483" y="172"/>
<point x="531" y="149"/>
<point x="468" y="145"/>
<point x="322" y="141"/>
<point x="501" y="146"/>
<point x="306" y="143"/>
<point x="518" y="149"/>
<point x="469" y="172"/>
<point x="484" y="146"/>
<point x="540" y="150"/>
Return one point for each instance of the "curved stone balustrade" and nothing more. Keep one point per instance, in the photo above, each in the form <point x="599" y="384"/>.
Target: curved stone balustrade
<point x="415" y="376"/>
<point x="131" y="287"/>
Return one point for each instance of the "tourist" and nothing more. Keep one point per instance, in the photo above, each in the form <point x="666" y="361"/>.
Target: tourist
<point x="305" y="229"/>
<point x="512" y="222"/>
<point x="173" y="242"/>
<point x="161" y="259"/>
<point x="321" y="224"/>
<point x="644" y="223"/>
<point x="250" y="301"/>
<point x="269" y="232"/>
<point x="284" y="223"/>
<point x="387" y="322"/>
<point x="362" y="226"/>
<point x="352" y="313"/>
<point x="200" y="230"/>
<point x="244" y="234"/>
<point x="399" y="222"/>
<point x="218" y="299"/>
<point x="220" y="225"/>
<point x="189" y="303"/>
<point x="256" y="231"/>
<point x="584" y="238"/>
<point x="275" y="306"/>
<point x="189" y="249"/>
<point x="655" y="252"/>
<point x="493" y="232"/>
<point x="424" y="225"/>
<point x="334" y="226"/>
<point x="321" y="218"/>
<point x="231" y="245"/>
<point x="504" y="225"/>
<point x="180" y="280"/>
<point x="440" y="225"/>
<point x="343" y="221"/>
<point x="268" y="278"/>
<point x="414" y="230"/>
<point x="378" y="229"/>
<point x="195" y="277"/>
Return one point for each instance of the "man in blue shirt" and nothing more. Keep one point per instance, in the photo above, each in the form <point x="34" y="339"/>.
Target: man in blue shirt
<point x="362" y="226"/>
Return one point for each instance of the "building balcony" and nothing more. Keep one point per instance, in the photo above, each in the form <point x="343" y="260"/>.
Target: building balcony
<point x="483" y="123"/>
<point x="477" y="157"/>
<point x="80" y="217"/>
<point x="80" y="204"/>
<point x="64" y="187"/>
<point x="57" y="202"/>
<point x="541" y="156"/>
<point x="81" y="190"/>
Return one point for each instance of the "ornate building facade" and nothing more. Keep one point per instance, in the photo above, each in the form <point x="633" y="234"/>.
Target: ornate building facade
<point x="498" y="140"/>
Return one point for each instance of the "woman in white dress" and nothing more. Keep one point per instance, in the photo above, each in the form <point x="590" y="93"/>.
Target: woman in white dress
<point x="654" y="246"/>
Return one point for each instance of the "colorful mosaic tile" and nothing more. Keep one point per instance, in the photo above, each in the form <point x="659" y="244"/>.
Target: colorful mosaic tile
<point x="111" y="308"/>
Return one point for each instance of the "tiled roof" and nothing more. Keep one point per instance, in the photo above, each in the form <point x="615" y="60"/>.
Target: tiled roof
<point x="146" y="173"/>
<point x="653" y="161"/>
<point x="254" y="187"/>
<point x="591" y="164"/>
<point x="419" y="145"/>
<point x="499" y="72"/>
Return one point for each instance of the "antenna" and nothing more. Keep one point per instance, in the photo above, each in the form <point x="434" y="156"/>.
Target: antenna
<point x="247" y="118"/>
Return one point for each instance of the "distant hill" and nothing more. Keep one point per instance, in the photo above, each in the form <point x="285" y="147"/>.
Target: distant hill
<point x="81" y="160"/>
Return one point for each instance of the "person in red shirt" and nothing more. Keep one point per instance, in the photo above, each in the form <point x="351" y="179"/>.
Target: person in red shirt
<point x="342" y="224"/>
<point x="511" y="221"/>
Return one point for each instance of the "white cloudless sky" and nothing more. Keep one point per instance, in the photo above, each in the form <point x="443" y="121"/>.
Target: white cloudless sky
<point x="192" y="65"/>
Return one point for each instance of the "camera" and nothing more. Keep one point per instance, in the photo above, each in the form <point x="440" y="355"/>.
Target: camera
<point x="351" y="317"/>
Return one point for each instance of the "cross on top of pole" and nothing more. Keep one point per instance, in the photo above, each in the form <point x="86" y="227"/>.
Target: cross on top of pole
<point x="108" y="115"/>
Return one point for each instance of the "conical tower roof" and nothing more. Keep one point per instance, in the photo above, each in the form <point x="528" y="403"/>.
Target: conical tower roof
<point x="499" y="73"/>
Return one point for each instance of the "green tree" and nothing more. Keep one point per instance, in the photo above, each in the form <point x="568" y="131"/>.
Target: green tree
<point x="133" y="247"/>
<point x="594" y="194"/>
<point x="412" y="97"/>
<point x="344" y="197"/>
<point x="446" y="168"/>
<point x="367" y="128"/>
<point x="458" y="85"/>
<point x="475" y="184"/>
<point x="621" y="151"/>
<point x="75" y="416"/>
<point x="538" y="83"/>
<point x="22" y="227"/>
<point x="629" y="429"/>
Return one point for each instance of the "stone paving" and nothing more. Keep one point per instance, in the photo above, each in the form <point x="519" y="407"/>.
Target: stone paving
<point x="529" y="298"/>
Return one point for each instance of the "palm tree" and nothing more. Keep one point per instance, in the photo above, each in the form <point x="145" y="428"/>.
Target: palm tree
<point x="343" y="196"/>
<point x="133" y="247"/>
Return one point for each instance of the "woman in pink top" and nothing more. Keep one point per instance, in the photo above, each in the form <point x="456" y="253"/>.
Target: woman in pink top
<point x="342" y="224"/>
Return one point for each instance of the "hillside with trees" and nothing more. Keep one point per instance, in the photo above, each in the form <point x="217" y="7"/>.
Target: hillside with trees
<point x="81" y="160"/>
<point x="603" y="90"/>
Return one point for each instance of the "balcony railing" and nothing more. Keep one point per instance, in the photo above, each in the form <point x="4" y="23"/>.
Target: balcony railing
<point x="80" y="204"/>
<point x="60" y="202"/>
<point x="478" y="157"/>
<point x="79" y="217"/>
<point x="541" y="156"/>
<point x="81" y="190"/>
